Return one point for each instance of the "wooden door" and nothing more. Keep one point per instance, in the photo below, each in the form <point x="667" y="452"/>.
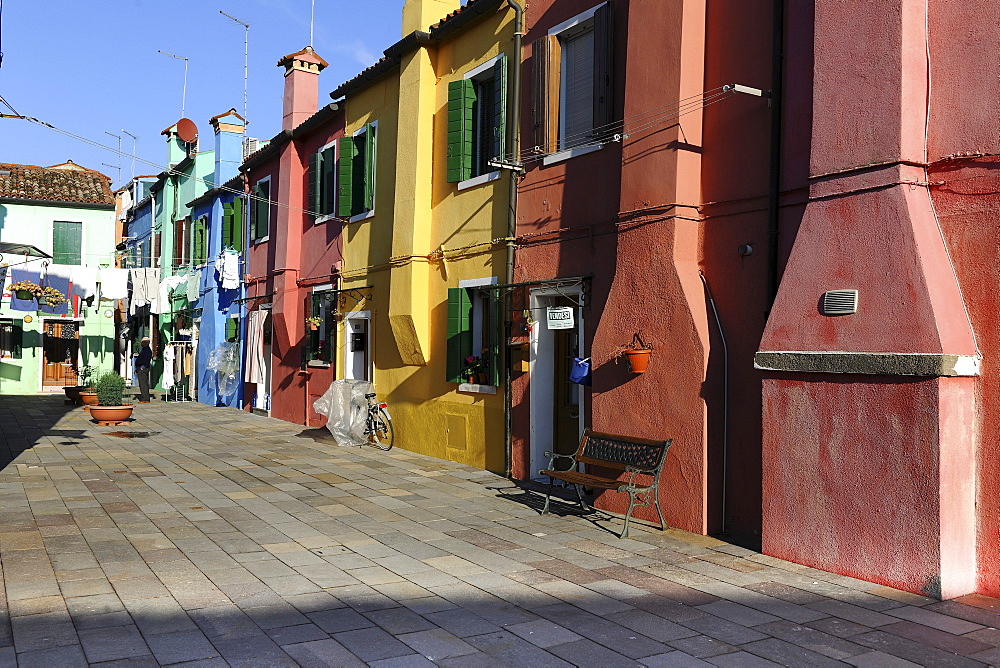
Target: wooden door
<point x="61" y="346"/>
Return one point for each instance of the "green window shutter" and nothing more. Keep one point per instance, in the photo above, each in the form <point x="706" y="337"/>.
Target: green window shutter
<point x="17" y="341"/>
<point x="345" y="196"/>
<point x="498" y="149"/>
<point x="254" y="210"/>
<point x="461" y="97"/>
<point x="261" y="208"/>
<point x="67" y="242"/>
<point x="227" y="224"/>
<point x="236" y="231"/>
<point x="315" y="179"/>
<point x="459" y="332"/>
<point x="370" y="140"/>
<point x="328" y="192"/>
<point x="198" y="250"/>
<point x="232" y="329"/>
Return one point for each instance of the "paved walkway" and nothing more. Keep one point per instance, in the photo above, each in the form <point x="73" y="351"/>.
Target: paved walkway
<point x="225" y="538"/>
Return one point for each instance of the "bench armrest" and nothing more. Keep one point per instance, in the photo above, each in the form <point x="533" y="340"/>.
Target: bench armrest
<point x="554" y="456"/>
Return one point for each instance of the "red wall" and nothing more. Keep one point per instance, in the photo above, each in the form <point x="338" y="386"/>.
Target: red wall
<point x="644" y="218"/>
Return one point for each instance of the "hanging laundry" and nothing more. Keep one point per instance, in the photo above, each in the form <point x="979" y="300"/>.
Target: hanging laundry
<point x="16" y="276"/>
<point x="256" y="364"/>
<point x="114" y="283"/>
<point x="84" y="281"/>
<point x="168" y="368"/>
<point x="167" y="286"/>
<point x="228" y="266"/>
<point x="194" y="285"/>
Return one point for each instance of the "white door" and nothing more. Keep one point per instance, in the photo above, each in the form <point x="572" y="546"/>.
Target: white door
<point x="557" y="405"/>
<point x="357" y="346"/>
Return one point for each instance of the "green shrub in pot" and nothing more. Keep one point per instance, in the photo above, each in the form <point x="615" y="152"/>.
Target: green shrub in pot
<point x="110" y="389"/>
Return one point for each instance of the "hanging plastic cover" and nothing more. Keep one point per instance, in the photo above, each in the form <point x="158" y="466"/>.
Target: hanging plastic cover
<point x="346" y="409"/>
<point x="225" y="362"/>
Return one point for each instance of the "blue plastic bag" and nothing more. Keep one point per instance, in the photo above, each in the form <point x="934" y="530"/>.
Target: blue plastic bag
<point x="580" y="371"/>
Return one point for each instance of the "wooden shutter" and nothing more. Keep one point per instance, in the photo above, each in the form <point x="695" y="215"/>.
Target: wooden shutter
<point x="539" y="91"/>
<point x="199" y="250"/>
<point x="315" y="181"/>
<point x="17" y="341"/>
<point x="498" y="149"/>
<point x="236" y="231"/>
<point x="345" y="195"/>
<point x="158" y="248"/>
<point x="261" y="208"/>
<point x="576" y="121"/>
<point x="67" y="242"/>
<point x="493" y="319"/>
<point x="461" y="96"/>
<point x="328" y="194"/>
<point x="604" y="29"/>
<point x="232" y="329"/>
<point x="227" y="225"/>
<point x="369" y="174"/>
<point x="459" y="332"/>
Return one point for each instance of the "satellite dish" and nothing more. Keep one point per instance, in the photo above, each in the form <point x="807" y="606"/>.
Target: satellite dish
<point x="187" y="130"/>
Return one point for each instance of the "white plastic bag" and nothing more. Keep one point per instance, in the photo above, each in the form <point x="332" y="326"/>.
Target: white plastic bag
<point x="225" y="362"/>
<point x="346" y="409"/>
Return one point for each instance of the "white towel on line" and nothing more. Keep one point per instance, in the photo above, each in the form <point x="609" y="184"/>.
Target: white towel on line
<point x="114" y="283"/>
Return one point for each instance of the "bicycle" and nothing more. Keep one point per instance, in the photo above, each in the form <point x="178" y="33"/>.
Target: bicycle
<point x="378" y="424"/>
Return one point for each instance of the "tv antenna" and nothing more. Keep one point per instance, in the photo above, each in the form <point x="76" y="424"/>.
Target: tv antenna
<point x="312" y="22"/>
<point x="119" y="166"/>
<point x="135" y="141"/>
<point x="246" y="58"/>
<point x="185" y="90"/>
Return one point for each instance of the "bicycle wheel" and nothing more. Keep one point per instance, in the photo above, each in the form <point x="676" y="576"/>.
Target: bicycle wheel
<point x="381" y="434"/>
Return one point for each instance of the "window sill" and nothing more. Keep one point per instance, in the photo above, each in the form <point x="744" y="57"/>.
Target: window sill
<point x="479" y="180"/>
<point x="571" y="153"/>
<point x="324" y="218"/>
<point x="317" y="364"/>
<point x="261" y="240"/>
<point x="361" y="216"/>
<point x="476" y="389"/>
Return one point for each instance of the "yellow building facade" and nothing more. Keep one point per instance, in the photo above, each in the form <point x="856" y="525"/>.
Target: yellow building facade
<point x="428" y="212"/>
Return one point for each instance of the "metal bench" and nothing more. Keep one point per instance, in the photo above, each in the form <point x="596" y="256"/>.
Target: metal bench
<point x="642" y="459"/>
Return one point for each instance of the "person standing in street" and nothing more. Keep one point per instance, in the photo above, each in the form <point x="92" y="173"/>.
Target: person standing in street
<point x="143" y="362"/>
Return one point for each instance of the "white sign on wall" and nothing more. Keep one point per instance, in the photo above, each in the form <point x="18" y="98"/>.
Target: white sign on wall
<point x="559" y="317"/>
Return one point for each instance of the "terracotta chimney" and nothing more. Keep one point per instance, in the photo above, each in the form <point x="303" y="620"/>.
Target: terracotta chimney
<point x="301" y="86"/>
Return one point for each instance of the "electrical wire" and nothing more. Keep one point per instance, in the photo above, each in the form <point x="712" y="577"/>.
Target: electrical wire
<point x="167" y="170"/>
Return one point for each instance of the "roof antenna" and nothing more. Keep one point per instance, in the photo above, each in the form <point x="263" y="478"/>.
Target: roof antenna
<point x="312" y="22"/>
<point x="246" y="59"/>
<point x="185" y="91"/>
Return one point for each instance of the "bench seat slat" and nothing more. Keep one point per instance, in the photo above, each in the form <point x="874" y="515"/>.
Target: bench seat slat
<point x="587" y="480"/>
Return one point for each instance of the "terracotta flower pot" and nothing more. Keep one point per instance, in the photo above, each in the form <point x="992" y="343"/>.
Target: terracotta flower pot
<point x="638" y="359"/>
<point x="73" y="393"/>
<point x="88" y="398"/>
<point x="110" y="415"/>
<point x="313" y="327"/>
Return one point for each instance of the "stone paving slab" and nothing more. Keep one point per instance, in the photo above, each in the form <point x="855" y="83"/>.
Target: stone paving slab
<point x="216" y="537"/>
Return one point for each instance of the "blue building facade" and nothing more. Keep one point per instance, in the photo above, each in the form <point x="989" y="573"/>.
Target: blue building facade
<point x="217" y="225"/>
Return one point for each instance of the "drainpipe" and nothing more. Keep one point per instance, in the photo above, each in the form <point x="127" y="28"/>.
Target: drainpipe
<point x="774" y="185"/>
<point x="514" y="149"/>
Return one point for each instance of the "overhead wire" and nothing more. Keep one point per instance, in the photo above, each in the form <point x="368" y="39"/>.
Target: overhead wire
<point x="167" y="170"/>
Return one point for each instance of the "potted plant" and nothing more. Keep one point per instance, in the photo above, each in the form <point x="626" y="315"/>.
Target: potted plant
<point x="84" y="377"/>
<point x="313" y="322"/>
<point x="636" y="353"/>
<point x="475" y="369"/>
<point x="27" y="290"/>
<point x="110" y="409"/>
<point x="51" y="297"/>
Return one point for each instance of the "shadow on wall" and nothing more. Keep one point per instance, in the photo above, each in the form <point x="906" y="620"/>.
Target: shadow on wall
<point x="10" y="371"/>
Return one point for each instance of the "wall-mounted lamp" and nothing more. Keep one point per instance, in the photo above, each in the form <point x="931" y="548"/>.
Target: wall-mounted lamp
<point x="745" y="250"/>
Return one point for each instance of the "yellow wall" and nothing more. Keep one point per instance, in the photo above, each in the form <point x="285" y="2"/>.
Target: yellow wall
<point x="419" y="214"/>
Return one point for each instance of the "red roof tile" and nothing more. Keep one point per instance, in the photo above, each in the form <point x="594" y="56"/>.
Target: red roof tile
<point x="67" y="182"/>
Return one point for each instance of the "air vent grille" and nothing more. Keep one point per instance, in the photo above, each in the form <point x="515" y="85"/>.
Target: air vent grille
<point x="840" y="302"/>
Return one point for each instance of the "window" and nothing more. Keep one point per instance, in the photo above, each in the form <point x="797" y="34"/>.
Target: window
<point x="260" y="210"/>
<point x="199" y="241"/>
<point x="572" y="92"/>
<point x="477" y="126"/>
<point x="67" y="242"/>
<point x="11" y="339"/>
<point x="232" y="224"/>
<point x="321" y="342"/>
<point x="182" y="244"/>
<point x="157" y="248"/>
<point x="474" y="321"/>
<point x="356" y="193"/>
<point x="232" y="330"/>
<point x="322" y="175"/>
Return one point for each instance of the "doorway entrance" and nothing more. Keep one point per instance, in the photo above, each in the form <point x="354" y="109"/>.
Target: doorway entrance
<point x="61" y="353"/>
<point x="357" y="346"/>
<point x="557" y="404"/>
<point x="264" y="331"/>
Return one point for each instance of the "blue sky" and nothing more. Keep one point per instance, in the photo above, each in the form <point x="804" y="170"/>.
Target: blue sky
<point x="92" y="67"/>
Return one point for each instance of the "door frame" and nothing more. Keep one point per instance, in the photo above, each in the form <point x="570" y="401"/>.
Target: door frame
<point x="348" y="330"/>
<point x="42" y="319"/>
<point x="541" y="374"/>
<point x="268" y="358"/>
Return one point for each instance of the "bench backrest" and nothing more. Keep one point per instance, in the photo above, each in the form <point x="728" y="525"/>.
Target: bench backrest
<point x="619" y="452"/>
